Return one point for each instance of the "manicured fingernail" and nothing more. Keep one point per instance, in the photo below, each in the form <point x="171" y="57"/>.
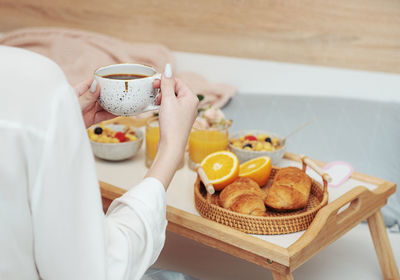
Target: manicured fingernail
<point x="93" y="86"/>
<point x="168" y="71"/>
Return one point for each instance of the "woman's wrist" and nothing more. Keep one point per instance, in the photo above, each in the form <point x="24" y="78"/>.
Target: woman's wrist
<point x="172" y="155"/>
<point x="165" y="165"/>
<point x="172" y="145"/>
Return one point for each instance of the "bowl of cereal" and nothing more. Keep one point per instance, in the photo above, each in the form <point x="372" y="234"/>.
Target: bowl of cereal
<point x="249" y="144"/>
<point x="114" y="141"/>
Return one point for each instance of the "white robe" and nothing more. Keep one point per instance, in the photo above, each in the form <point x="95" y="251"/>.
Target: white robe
<point x="51" y="220"/>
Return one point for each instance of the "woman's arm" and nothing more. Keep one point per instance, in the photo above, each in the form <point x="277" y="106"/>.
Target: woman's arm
<point x="136" y="222"/>
<point x="178" y="111"/>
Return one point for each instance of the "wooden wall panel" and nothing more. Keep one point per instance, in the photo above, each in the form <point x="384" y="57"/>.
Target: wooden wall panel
<point x="358" y="34"/>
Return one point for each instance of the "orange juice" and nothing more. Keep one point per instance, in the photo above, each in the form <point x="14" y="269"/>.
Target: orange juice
<point x="204" y="142"/>
<point x="152" y="137"/>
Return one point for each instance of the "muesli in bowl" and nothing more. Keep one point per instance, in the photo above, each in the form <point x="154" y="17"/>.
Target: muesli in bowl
<point x="249" y="144"/>
<point x="114" y="141"/>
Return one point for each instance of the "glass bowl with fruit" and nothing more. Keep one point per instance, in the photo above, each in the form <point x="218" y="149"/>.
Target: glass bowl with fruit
<point x="114" y="141"/>
<point x="249" y="144"/>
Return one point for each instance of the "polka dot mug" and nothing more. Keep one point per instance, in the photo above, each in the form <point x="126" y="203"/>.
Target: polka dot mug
<point x="127" y="89"/>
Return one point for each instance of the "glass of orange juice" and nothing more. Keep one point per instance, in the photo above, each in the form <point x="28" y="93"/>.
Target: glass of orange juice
<point x="152" y="137"/>
<point x="203" y="142"/>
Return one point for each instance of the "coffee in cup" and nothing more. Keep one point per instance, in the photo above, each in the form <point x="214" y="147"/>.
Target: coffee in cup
<point x="127" y="89"/>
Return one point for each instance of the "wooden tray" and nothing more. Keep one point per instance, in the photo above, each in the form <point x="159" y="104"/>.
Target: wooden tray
<point x="330" y="223"/>
<point x="275" y="222"/>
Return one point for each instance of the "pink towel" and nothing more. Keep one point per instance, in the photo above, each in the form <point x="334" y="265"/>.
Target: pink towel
<point x="79" y="53"/>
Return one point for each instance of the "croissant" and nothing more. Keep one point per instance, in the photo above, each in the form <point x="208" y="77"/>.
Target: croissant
<point x="290" y="189"/>
<point x="249" y="204"/>
<point x="243" y="196"/>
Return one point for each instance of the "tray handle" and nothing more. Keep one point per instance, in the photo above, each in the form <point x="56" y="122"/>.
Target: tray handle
<point x="337" y="218"/>
<point x="203" y="176"/>
<point x="325" y="176"/>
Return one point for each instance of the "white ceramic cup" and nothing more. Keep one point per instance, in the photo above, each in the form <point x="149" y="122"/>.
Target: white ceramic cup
<point x="127" y="97"/>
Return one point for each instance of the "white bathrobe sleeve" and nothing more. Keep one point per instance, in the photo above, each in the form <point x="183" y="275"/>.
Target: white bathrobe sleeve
<point x="135" y="230"/>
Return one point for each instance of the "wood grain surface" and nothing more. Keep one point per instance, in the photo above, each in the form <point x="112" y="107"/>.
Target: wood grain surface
<point x="358" y="34"/>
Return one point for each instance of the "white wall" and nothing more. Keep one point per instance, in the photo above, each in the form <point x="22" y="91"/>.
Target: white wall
<point x="260" y="77"/>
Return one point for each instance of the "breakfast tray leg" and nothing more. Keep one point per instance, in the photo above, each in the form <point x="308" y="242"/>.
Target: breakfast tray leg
<point x="287" y="275"/>
<point x="382" y="246"/>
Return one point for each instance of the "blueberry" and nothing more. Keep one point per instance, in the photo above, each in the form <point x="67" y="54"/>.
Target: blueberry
<point x="98" y="130"/>
<point x="247" y="145"/>
<point x="268" y="139"/>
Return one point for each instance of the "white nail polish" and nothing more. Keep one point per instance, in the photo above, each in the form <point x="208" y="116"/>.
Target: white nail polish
<point x="93" y="86"/>
<point x="168" y="71"/>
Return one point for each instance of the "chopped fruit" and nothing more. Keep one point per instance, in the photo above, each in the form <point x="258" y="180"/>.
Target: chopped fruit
<point x="259" y="146"/>
<point x="250" y="138"/>
<point x="261" y="137"/>
<point x="237" y="144"/>
<point x="267" y="147"/>
<point x="247" y="145"/>
<point x="221" y="168"/>
<point x="131" y="137"/>
<point x="275" y="141"/>
<point x="257" y="169"/>
<point x="120" y="136"/>
<point x="98" y="130"/>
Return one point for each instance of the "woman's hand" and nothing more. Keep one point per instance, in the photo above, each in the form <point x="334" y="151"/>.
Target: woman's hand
<point x="88" y="92"/>
<point x="177" y="113"/>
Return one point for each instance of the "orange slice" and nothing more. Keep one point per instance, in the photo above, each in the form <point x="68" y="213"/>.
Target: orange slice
<point x="221" y="168"/>
<point x="257" y="169"/>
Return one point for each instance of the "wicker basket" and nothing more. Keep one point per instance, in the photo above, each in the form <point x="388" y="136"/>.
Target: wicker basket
<point x="274" y="223"/>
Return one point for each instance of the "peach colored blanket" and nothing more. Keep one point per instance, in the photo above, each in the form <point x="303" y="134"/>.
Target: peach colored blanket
<point x="79" y="53"/>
